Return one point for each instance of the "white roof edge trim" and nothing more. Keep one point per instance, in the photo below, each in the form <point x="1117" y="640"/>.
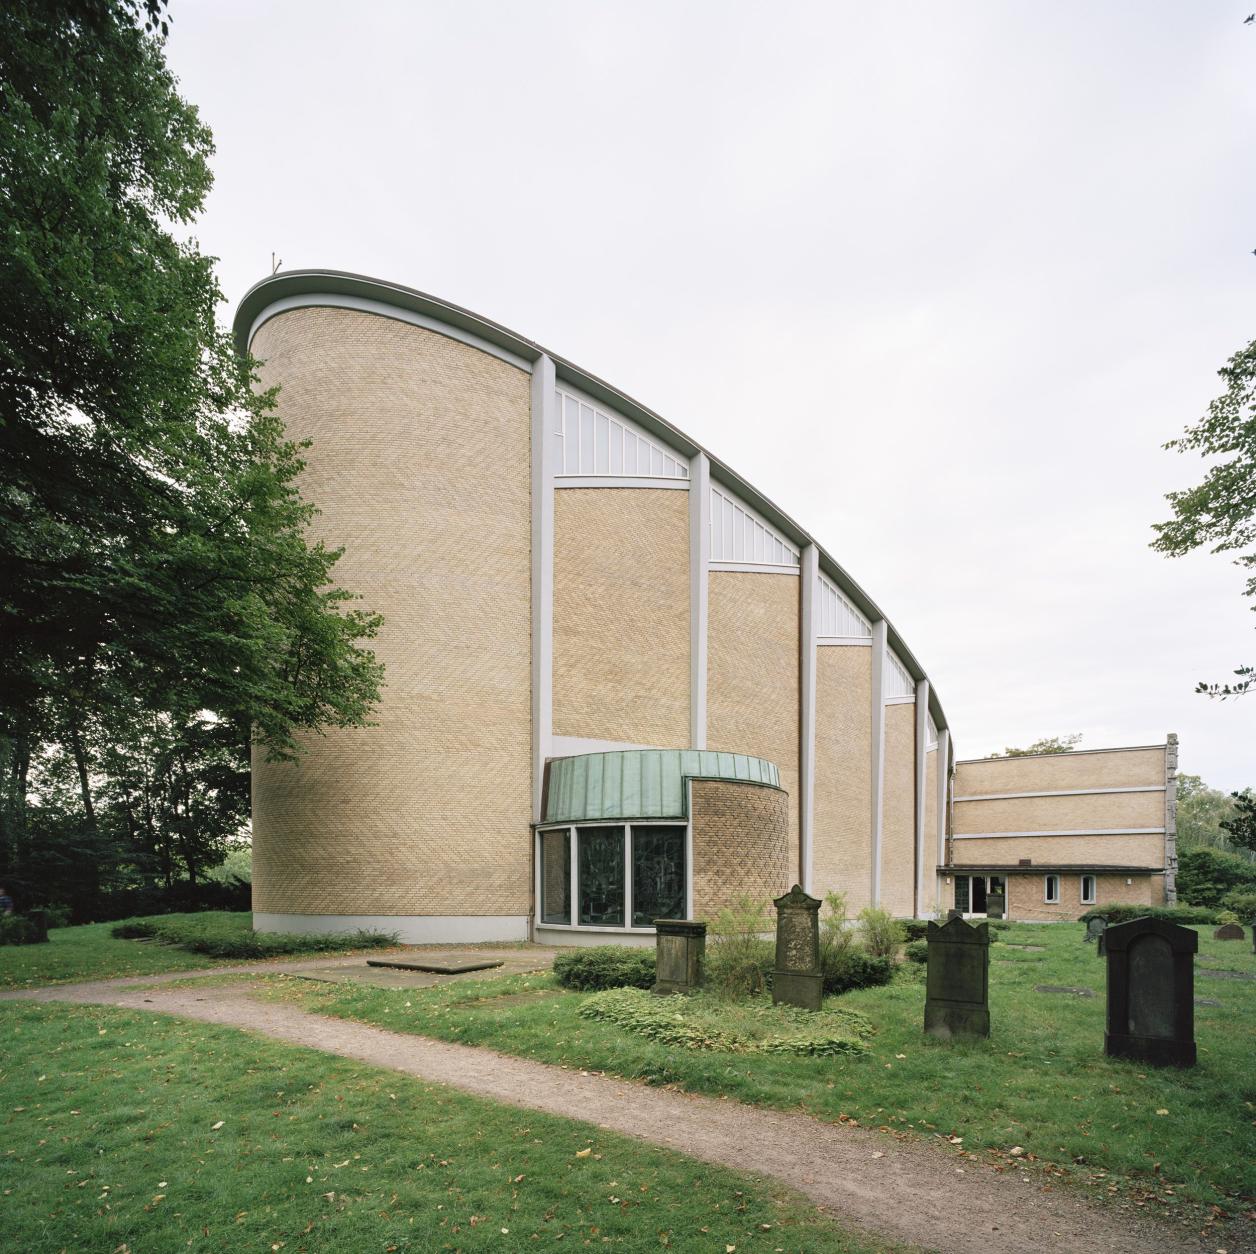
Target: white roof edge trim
<point x="316" y="282"/>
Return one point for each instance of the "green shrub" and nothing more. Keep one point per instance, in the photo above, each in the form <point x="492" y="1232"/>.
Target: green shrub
<point x="1171" y="914"/>
<point x="605" y="966"/>
<point x="17" y="929"/>
<point x="220" y="935"/>
<point x="703" y="1022"/>
<point x="134" y="929"/>
<point x="916" y="929"/>
<point x="1205" y="876"/>
<point x="882" y="933"/>
<point x="739" y="958"/>
<point x="916" y="951"/>
<point x="856" y="969"/>
<point x="1243" y="903"/>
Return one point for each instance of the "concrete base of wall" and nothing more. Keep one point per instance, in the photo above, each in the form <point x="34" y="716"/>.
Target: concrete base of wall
<point x="589" y="936"/>
<point x="413" y="929"/>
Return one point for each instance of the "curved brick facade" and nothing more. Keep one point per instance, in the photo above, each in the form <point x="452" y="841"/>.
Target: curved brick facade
<point x="740" y="844"/>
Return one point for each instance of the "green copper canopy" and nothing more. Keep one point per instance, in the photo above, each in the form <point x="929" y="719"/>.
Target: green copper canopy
<point x="641" y="783"/>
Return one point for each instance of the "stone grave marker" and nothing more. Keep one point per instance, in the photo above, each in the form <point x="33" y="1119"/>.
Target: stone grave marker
<point x="1229" y="931"/>
<point x="1151" y="992"/>
<point x="996" y="904"/>
<point x="1095" y="927"/>
<point x="957" y="987"/>
<point x="679" y="954"/>
<point x="797" y="979"/>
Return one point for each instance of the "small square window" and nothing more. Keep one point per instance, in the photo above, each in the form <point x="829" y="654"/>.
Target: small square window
<point x="1051" y="890"/>
<point x="1088" y="890"/>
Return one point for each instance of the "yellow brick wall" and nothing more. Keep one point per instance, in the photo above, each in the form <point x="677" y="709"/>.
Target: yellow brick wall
<point x="898" y="822"/>
<point x="621" y="615"/>
<point x="1026" y="893"/>
<point x="1105" y="811"/>
<point x="842" y="817"/>
<point x="753" y="675"/>
<point x="1100" y="769"/>
<point x="1145" y="851"/>
<point x="421" y="468"/>
<point x="929" y="904"/>
<point x="740" y="844"/>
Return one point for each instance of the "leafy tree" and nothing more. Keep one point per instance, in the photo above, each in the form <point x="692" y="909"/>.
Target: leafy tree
<point x="1205" y="876"/>
<point x="1219" y="513"/>
<point x="160" y="600"/>
<point x="1241" y="825"/>
<point x="1048" y="744"/>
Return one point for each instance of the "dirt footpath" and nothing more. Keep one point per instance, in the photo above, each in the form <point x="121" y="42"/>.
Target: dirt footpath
<point x="903" y="1192"/>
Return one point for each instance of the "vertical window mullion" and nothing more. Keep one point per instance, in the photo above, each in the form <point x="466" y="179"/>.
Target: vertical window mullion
<point x="627" y="874"/>
<point x="573" y="869"/>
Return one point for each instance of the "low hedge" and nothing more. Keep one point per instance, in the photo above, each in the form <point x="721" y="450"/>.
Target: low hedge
<point x="1171" y="914"/>
<point x="230" y="936"/>
<point x="916" y="951"/>
<point x="605" y="966"/>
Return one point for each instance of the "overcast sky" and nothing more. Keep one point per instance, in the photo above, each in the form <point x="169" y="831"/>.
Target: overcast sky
<point x="940" y="279"/>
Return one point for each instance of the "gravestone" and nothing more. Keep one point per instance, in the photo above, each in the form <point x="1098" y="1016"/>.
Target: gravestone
<point x="1229" y="931"/>
<point x="38" y="920"/>
<point x="679" y="955"/>
<point x="1095" y="927"/>
<point x="797" y="979"/>
<point x="1151" y="992"/>
<point x="957" y="988"/>
<point x="953" y="914"/>
<point x="996" y="903"/>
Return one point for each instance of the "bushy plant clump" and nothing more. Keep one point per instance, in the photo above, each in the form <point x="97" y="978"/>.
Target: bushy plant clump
<point x="705" y="1023"/>
<point x="1243" y="904"/>
<point x="230" y="936"/>
<point x="916" y="951"/>
<point x="882" y="933"/>
<point x="605" y="966"/>
<point x="915" y="929"/>
<point x="1205" y="876"/>
<point x="739" y="957"/>
<point x="1123" y="913"/>
<point x="18" y="929"/>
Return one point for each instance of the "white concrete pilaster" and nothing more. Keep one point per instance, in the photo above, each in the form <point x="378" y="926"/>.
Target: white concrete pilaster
<point x="1170" y="819"/>
<point x="944" y="776"/>
<point x="544" y="421"/>
<point x="699" y="565"/>
<point x="879" y="662"/>
<point x="810" y="573"/>
<point x="922" y="776"/>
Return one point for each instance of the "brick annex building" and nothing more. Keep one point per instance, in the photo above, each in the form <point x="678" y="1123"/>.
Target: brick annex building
<point x="620" y="684"/>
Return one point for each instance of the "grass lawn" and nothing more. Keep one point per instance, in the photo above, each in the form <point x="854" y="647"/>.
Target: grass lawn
<point x="92" y="953"/>
<point x="1041" y="1083"/>
<point x="125" y="1131"/>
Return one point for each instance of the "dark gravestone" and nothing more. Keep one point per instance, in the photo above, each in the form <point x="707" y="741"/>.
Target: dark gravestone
<point x="1151" y="992"/>
<point x="679" y="954"/>
<point x="995" y="905"/>
<point x="957" y="988"/>
<point x="38" y="920"/>
<point x="1095" y="927"/>
<point x="797" y="979"/>
<point x="953" y="914"/>
<point x="1229" y="931"/>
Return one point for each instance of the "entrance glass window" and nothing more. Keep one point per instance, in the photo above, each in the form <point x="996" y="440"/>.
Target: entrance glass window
<point x="971" y="892"/>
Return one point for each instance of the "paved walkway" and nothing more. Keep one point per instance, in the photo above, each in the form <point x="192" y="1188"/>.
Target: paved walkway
<point x="906" y="1192"/>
